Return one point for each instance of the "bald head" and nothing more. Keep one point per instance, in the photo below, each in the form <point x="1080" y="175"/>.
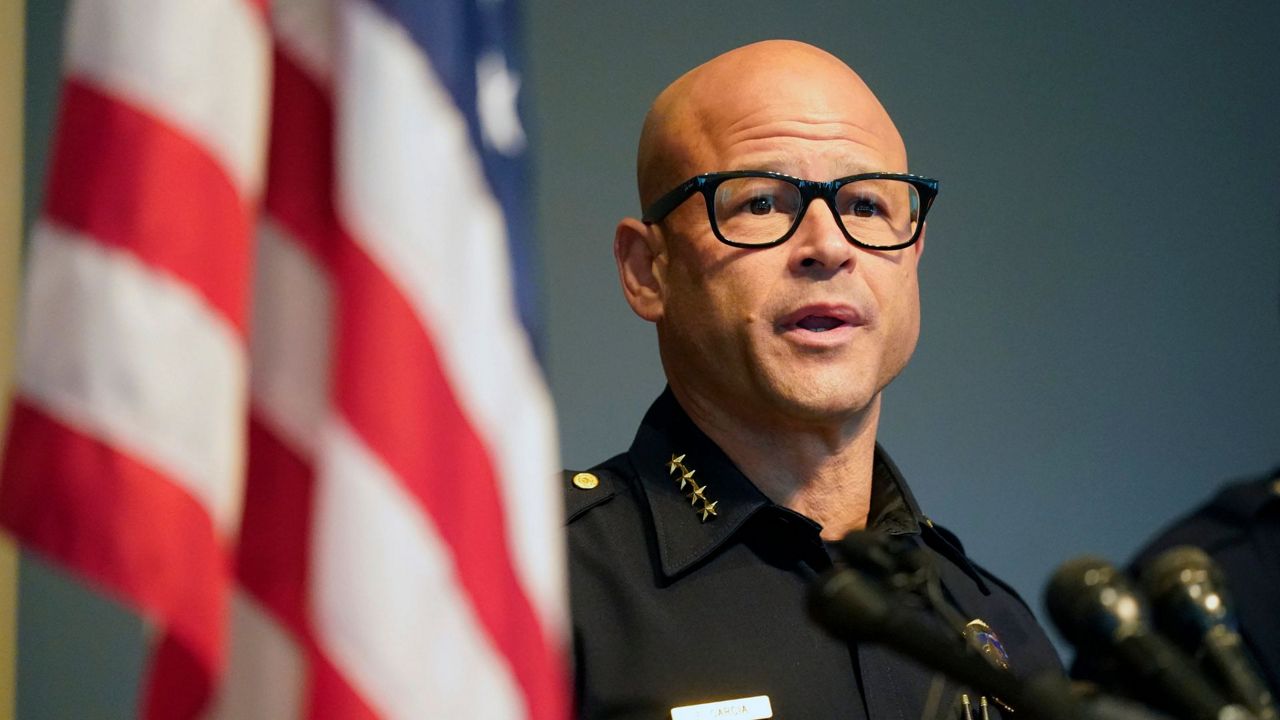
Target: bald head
<point x="792" y="86"/>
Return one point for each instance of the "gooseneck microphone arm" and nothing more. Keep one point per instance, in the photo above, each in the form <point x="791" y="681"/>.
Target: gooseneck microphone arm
<point x="853" y="608"/>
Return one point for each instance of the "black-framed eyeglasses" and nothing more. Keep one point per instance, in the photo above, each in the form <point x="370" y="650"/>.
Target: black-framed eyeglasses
<point x="756" y="209"/>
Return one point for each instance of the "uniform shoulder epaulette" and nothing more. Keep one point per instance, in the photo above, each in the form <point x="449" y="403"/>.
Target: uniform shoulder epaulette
<point x="1222" y="522"/>
<point x="947" y="543"/>
<point x="945" y="534"/>
<point x="952" y="546"/>
<point x="1237" y="504"/>
<point x="995" y="580"/>
<point x="585" y="489"/>
<point x="983" y="576"/>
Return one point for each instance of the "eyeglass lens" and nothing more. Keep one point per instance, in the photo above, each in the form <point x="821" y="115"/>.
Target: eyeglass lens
<point x="758" y="210"/>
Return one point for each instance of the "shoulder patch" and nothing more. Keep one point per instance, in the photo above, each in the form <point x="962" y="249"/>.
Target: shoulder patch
<point x="584" y="490"/>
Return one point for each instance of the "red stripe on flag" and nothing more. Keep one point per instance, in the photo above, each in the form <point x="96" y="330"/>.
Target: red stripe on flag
<point x="127" y="179"/>
<point x="394" y="391"/>
<point x="272" y="559"/>
<point x="177" y="686"/>
<point x="300" y="160"/>
<point x="273" y="564"/>
<point x="331" y="696"/>
<point x="127" y="528"/>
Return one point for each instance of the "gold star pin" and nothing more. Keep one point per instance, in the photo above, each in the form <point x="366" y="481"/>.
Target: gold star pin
<point x="697" y="493"/>
<point x="674" y="463"/>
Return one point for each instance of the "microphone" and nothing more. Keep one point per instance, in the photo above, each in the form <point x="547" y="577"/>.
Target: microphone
<point x="1097" y="609"/>
<point x="855" y="609"/>
<point x="1191" y="605"/>
<point x="882" y="556"/>
<point x="899" y="566"/>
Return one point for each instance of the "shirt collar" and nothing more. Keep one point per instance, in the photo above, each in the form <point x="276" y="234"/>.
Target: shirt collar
<point x="683" y="538"/>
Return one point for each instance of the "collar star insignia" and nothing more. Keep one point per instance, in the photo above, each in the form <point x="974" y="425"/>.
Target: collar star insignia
<point x="674" y="463"/>
<point x="696" y="492"/>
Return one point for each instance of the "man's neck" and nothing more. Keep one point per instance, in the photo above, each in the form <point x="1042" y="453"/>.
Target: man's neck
<point x="821" y="471"/>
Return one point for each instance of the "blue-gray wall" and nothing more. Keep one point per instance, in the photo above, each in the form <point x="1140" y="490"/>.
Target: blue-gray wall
<point x="1101" y="286"/>
<point x="1101" y="282"/>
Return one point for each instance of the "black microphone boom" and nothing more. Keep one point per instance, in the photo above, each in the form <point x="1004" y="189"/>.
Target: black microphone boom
<point x="1191" y="605"/>
<point x="853" y="608"/>
<point x="1097" y="609"/>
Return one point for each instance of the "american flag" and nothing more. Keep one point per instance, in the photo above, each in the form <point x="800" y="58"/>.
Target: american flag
<point x="275" y="388"/>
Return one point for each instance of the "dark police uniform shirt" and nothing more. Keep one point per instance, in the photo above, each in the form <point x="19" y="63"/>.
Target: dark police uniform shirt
<point x="671" y="611"/>
<point x="1240" y="529"/>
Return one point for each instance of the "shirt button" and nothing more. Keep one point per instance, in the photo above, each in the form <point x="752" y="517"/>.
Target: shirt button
<point x="585" y="481"/>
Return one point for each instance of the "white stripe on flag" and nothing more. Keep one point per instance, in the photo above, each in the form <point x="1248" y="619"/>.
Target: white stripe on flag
<point x="137" y="360"/>
<point x="265" y="675"/>
<point x="292" y="327"/>
<point x="197" y="64"/>
<point x="388" y="608"/>
<point x="304" y="28"/>
<point x="423" y="210"/>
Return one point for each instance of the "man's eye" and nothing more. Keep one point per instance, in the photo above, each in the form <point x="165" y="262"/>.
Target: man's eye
<point x="760" y="205"/>
<point x="864" y="207"/>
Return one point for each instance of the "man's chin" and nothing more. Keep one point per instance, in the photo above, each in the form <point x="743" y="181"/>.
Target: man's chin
<point x="823" y="405"/>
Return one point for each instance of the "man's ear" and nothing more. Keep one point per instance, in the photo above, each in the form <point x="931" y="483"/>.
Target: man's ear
<point x="919" y="246"/>
<point x="640" y="253"/>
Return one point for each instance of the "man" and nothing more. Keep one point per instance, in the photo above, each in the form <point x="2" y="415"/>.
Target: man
<point x="780" y="321"/>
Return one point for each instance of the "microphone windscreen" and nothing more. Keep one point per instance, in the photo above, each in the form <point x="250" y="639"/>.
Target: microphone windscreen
<point x="1188" y="593"/>
<point x="1092" y="603"/>
<point x="1099" y="610"/>
<point x="1190" y="603"/>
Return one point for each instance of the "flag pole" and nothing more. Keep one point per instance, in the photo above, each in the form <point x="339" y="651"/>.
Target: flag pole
<point x="12" y="28"/>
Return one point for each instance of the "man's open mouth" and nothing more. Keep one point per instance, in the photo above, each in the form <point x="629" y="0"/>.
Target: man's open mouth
<point x="821" y="318"/>
<point x="819" y="323"/>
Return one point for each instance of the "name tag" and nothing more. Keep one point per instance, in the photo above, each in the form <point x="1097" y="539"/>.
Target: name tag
<point x="751" y="708"/>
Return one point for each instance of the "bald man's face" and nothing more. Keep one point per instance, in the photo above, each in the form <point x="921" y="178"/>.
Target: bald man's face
<point x="809" y="331"/>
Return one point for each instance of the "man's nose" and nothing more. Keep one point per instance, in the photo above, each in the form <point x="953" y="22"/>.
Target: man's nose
<point x="819" y="243"/>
